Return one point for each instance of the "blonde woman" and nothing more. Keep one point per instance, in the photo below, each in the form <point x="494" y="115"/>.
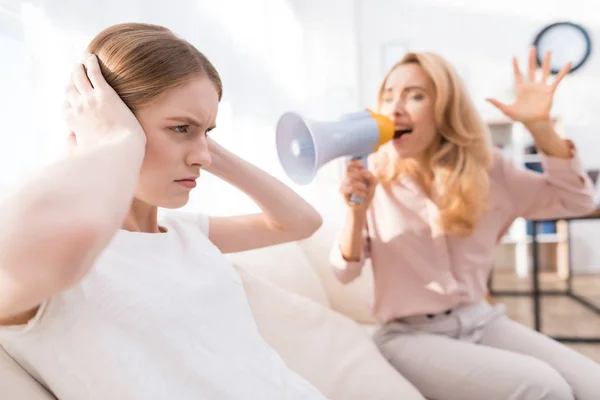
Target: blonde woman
<point x="436" y="203"/>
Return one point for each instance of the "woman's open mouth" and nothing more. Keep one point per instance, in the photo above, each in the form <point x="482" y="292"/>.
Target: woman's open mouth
<point x="401" y="132"/>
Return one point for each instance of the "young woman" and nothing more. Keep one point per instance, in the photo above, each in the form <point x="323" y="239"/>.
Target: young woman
<point x="443" y="202"/>
<point x="101" y="300"/>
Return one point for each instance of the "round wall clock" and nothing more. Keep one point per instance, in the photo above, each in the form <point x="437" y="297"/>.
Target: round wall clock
<point x="567" y="41"/>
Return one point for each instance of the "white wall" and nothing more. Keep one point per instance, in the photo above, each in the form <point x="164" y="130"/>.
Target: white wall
<point x="480" y="38"/>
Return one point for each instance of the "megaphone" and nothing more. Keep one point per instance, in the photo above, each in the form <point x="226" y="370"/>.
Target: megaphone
<point x="305" y="145"/>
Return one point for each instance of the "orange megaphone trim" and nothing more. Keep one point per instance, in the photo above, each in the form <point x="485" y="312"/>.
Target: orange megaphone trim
<point x="386" y="128"/>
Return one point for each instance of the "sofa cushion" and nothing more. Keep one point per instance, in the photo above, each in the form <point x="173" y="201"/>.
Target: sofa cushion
<point x="354" y="299"/>
<point x="16" y="384"/>
<point x="326" y="348"/>
<point x="284" y="266"/>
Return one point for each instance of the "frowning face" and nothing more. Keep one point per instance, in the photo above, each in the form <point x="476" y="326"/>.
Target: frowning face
<point x="176" y="127"/>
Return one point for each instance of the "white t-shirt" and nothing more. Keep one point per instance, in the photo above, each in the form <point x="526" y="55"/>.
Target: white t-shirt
<point x="160" y="316"/>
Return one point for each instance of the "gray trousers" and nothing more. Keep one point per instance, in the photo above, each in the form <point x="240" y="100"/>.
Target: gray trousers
<point x="477" y="353"/>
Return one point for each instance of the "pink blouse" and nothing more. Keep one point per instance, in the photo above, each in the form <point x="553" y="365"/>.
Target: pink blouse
<point x="419" y="270"/>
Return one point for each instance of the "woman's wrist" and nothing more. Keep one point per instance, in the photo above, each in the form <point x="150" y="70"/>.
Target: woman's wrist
<point x="540" y="127"/>
<point x="546" y="139"/>
<point x="357" y="216"/>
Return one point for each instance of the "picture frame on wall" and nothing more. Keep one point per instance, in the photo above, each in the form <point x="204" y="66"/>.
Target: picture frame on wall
<point x="391" y="53"/>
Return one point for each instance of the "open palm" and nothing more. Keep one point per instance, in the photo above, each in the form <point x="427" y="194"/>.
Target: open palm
<point x="534" y="99"/>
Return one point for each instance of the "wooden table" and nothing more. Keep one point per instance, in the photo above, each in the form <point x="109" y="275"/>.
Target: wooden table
<point x="536" y="294"/>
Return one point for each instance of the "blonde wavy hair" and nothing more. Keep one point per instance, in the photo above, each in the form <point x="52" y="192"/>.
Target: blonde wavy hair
<point x="459" y="158"/>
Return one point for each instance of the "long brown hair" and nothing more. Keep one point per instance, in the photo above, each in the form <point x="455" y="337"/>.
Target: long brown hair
<point x="143" y="61"/>
<point x="460" y="156"/>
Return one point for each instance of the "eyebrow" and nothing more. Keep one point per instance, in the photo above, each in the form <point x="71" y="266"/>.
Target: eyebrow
<point x="387" y="90"/>
<point x="187" y="120"/>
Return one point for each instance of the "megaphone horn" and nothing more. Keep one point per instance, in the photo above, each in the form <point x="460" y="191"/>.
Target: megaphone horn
<point x="305" y="145"/>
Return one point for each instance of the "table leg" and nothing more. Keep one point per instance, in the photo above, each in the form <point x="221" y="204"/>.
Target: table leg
<point x="535" y="279"/>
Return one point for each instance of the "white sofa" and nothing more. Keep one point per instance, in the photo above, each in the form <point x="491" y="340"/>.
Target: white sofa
<point x="320" y="327"/>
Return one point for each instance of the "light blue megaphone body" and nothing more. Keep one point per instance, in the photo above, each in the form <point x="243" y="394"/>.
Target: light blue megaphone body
<point x="304" y="145"/>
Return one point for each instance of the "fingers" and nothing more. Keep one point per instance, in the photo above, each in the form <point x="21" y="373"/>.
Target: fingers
<point x="355" y="169"/>
<point x="80" y="92"/>
<point x="517" y="71"/>
<point x="66" y="110"/>
<point x="353" y="187"/>
<point x="355" y="166"/>
<point x="372" y="181"/>
<point x="94" y="73"/>
<point x="532" y="64"/>
<point x="355" y="179"/>
<point x="72" y="105"/>
<point x="546" y="67"/>
<point x="358" y="182"/>
<point x="80" y="80"/>
<point x="559" y="77"/>
<point x="356" y="163"/>
<point x="356" y="174"/>
<point x="351" y="191"/>
<point x="71" y="93"/>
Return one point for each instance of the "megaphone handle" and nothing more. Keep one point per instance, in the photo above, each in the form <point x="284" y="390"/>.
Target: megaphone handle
<point x="356" y="199"/>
